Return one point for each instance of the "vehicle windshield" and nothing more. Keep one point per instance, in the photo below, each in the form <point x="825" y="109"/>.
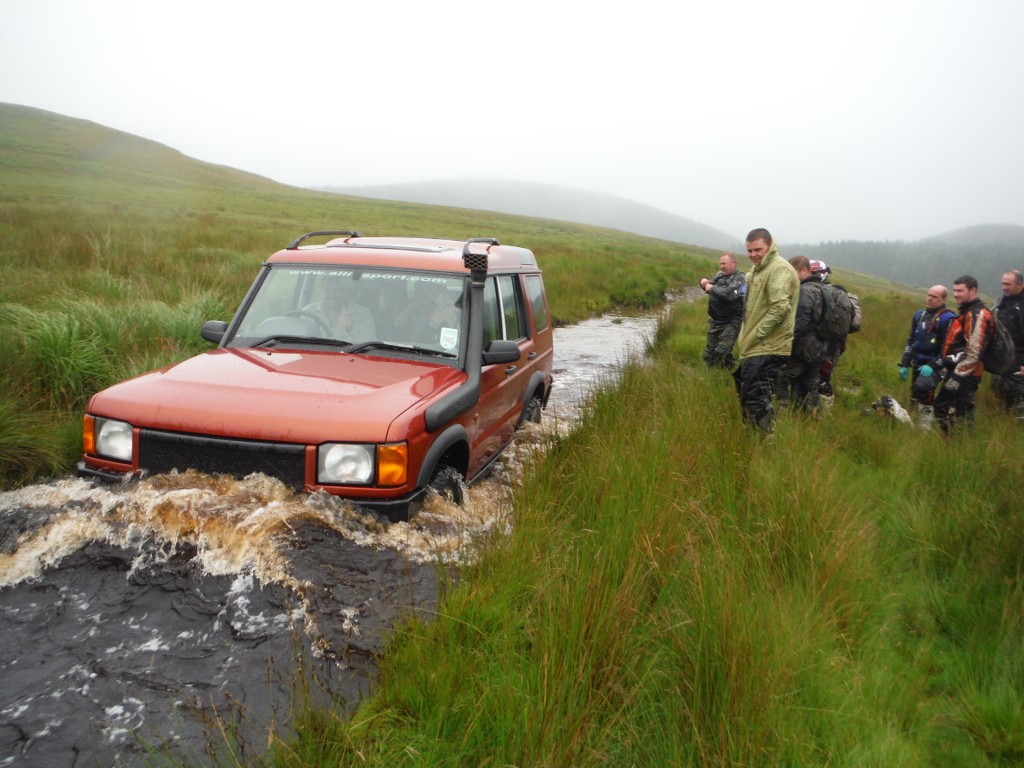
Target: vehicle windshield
<point x="359" y="309"/>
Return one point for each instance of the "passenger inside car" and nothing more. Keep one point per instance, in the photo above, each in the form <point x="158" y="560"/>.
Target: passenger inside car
<point x="347" y="319"/>
<point x="432" y="316"/>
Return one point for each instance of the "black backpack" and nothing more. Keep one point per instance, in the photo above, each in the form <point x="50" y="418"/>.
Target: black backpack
<point x="999" y="355"/>
<point x="837" y="317"/>
<point x="858" y="313"/>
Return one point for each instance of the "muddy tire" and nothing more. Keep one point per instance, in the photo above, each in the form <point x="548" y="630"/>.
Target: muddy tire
<point x="532" y="409"/>
<point x="448" y="483"/>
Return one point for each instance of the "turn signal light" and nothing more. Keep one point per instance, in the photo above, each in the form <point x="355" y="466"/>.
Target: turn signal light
<point x="392" y="464"/>
<point x="89" y="434"/>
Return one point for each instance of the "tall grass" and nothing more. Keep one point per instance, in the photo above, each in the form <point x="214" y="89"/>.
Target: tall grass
<point x="96" y="289"/>
<point x="676" y="591"/>
<point x="679" y="591"/>
<point x="114" y="249"/>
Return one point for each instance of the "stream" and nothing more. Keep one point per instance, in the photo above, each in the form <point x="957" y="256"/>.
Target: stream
<point x="183" y="617"/>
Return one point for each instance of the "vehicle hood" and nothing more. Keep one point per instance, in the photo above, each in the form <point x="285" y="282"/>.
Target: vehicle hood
<point x="287" y="396"/>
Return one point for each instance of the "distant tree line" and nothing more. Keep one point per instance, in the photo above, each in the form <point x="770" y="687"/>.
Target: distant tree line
<point x="923" y="263"/>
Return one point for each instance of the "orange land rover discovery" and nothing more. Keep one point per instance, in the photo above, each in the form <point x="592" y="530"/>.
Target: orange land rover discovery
<point x="373" y="368"/>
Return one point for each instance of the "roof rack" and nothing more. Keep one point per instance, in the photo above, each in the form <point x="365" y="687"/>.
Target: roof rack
<point x="331" y="232"/>
<point x="390" y="247"/>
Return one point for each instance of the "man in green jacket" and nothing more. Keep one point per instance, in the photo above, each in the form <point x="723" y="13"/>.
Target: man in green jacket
<point x="766" y="334"/>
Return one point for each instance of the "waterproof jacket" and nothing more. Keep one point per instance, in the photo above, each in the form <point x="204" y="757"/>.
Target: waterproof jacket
<point x="725" y="299"/>
<point x="967" y="335"/>
<point x="808" y="346"/>
<point x="769" y="312"/>
<point x="927" y="335"/>
<point x="1010" y="312"/>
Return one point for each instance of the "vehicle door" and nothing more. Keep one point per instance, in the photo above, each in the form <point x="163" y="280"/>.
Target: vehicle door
<point x="502" y="387"/>
<point x="540" y="355"/>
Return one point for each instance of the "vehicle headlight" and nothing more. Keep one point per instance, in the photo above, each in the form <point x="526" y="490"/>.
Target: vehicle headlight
<point x="113" y="439"/>
<point x="345" y="463"/>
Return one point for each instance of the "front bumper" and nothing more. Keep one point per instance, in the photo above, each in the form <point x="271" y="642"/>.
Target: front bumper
<point x="395" y="510"/>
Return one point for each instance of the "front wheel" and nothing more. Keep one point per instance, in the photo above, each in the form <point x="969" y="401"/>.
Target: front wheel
<point x="447" y="481"/>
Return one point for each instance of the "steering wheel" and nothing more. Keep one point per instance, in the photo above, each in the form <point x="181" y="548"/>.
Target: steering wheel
<point x="320" y="322"/>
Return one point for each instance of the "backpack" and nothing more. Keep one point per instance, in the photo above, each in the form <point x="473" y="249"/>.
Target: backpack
<point x="837" y="316"/>
<point x="858" y="314"/>
<point x="999" y="355"/>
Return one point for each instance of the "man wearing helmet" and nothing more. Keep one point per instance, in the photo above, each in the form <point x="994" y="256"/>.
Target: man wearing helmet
<point x="798" y="377"/>
<point x="820" y="270"/>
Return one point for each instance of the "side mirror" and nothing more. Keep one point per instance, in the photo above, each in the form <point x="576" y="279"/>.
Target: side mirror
<point x="501" y="352"/>
<point x="214" y="330"/>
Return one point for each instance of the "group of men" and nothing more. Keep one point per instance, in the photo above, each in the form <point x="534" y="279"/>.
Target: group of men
<point x="944" y="349"/>
<point x="774" y="314"/>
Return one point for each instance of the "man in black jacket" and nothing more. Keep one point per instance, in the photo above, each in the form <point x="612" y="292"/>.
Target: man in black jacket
<point x="1009" y="389"/>
<point x="961" y="356"/>
<point x="725" y="311"/>
<point x="922" y="355"/>
<point x="800" y="376"/>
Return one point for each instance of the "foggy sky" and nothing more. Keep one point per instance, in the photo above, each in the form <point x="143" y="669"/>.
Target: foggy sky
<point x="885" y="119"/>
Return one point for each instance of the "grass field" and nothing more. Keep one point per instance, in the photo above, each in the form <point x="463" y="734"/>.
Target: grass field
<point x="114" y="251"/>
<point x="675" y="591"/>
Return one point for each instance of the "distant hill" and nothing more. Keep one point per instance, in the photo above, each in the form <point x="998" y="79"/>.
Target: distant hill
<point x="985" y="251"/>
<point x="996" y="235"/>
<point x="551" y="202"/>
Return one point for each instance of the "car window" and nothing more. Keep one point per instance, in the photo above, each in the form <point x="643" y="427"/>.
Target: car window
<point x="341" y="305"/>
<point x="504" y="315"/>
<point x="512" y="308"/>
<point x="535" y="288"/>
<point x="425" y="310"/>
<point x="492" y="313"/>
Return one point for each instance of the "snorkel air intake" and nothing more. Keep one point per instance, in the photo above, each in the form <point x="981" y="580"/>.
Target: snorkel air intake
<point x="464" y="397"/>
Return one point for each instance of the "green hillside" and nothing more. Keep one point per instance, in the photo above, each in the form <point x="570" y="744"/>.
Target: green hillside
<point x="44" y="156"/>
<point x="65" y="180"/>
<point x="115" y="249"/>
<point x="675" y="591"/>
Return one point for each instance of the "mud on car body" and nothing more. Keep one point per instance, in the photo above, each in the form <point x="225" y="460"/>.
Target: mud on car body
<point x="370" y="367"/>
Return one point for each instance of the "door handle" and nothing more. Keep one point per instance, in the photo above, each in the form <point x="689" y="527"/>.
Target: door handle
<point x="510" y="370"/>
<point x="531" y="356"/>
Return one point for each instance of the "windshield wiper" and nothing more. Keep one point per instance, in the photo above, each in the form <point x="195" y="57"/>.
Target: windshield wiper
<point x="398" y="348"/>
<point x="272" y="341"/>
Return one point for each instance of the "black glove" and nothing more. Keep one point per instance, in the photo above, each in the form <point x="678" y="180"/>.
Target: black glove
<point x="952" y="361"/>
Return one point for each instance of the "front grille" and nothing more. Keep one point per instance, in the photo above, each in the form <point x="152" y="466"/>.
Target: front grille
<point x="164" y="451"/>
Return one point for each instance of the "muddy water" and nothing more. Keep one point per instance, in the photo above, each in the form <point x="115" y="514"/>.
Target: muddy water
<point x="139" y="620"/>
